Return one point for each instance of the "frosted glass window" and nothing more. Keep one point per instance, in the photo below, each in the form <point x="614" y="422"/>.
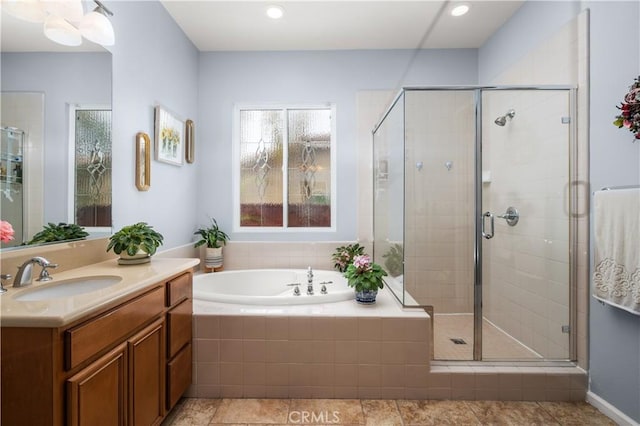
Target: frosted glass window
<point x="309" y="168"/>
<point x="261" y="133"/>
<point x="285" y="168"/>
<point x="93" y="168"/>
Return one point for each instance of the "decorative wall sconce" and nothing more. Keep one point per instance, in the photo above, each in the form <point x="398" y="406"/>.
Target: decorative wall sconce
<point x="189" y="136"/>
<point x="143" y="161"/>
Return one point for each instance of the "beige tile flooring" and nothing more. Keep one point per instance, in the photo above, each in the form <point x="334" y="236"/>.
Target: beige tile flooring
<point x="191" y="411"/>
<point x="496" y="343"/>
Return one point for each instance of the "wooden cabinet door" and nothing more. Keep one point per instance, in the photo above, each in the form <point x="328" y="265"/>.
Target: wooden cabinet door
<point x="97" y="394"/>
<point x="146" y="352"/>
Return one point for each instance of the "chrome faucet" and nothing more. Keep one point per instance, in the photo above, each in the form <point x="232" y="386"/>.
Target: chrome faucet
<point x="24" y="276"/>
<point x="310" y="281"/>
<point x="2" y="278"/>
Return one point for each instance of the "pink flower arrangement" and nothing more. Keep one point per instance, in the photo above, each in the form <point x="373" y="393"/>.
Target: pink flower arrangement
<point x="629" y="116"/>
<point x="362" y="262"/>
<point x="6" y="231"/>
<point x="365" y="275"/>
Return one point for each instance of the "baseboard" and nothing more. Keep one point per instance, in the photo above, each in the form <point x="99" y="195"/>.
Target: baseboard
<point x="610" y="411"/>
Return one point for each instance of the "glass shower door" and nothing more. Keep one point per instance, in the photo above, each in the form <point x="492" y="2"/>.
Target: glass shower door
<point x="525" y="224"/>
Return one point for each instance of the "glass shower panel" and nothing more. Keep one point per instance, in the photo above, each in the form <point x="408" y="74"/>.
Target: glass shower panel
<point x="525" y="175"/>
<point x="388" y="221"/>
<point x="93" y="168"/>
<point x="439" y="206"/>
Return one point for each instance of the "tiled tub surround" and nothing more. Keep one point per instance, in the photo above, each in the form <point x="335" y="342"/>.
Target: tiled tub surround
<point x="344" y="350"/>
<point x="333" y="350"/>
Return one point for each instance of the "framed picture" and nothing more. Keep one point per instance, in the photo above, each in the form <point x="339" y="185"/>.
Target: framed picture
<point x="169" y="137"/>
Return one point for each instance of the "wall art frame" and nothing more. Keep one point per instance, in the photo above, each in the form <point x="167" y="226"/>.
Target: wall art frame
<point x="169" y="136"/>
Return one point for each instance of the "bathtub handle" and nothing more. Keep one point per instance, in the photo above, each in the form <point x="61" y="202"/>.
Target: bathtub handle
<point x="296" y="290"/>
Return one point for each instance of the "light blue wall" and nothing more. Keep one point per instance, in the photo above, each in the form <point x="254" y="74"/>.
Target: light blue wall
<point x="614" y="340"/>
<point x="153" y="62"/>
<point x="528" y="27"/>
<point x="305" y="77"/>
<point x="615" y="160"/>
<point x="64" y="78"/>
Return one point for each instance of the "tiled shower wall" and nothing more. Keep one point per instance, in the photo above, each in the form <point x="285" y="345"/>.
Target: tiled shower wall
<point x="439" y="200"/>
<point x="535" y="317"/>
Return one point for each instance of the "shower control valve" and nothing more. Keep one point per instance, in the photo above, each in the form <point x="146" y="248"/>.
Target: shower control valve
<point x="511" y="216"/>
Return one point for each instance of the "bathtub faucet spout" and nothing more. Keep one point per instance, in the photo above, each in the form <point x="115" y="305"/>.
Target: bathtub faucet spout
<point x="309" y="281"/>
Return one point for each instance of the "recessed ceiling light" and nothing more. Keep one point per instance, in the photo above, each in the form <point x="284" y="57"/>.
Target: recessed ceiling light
<point x="275" y="12"/>
<point x="460" y="9"/>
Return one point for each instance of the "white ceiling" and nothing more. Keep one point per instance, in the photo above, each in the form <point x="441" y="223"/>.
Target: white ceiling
<point x="337" y="24"/>
<point x="215" y="25"/>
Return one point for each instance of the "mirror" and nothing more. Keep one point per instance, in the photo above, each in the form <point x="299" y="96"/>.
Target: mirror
<point x="58" y="97"/>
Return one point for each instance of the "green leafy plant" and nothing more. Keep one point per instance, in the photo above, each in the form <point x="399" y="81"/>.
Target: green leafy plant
<point x="343" y="256"/>
<point x="394" y="259"/>
<point x="133" y="237"/>
<point x="212" y="236"/>
<point x="363" y="274"/>
<point x="60" y="232"/>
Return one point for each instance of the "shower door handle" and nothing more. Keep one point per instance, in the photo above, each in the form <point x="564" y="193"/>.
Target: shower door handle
<point x="487" y="235"/>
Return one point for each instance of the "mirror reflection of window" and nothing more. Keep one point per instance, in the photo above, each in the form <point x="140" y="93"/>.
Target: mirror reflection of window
<point x="92" y="171"/>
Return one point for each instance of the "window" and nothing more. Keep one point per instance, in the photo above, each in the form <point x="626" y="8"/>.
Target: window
<point x="285" y="168"/>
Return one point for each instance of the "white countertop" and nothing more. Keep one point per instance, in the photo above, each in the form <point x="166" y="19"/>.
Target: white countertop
<point x="61" y="311"/>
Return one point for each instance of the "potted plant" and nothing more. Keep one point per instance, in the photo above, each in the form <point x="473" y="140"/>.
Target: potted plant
<point x="343" y="256"/>
<point x="60" y="232"/>
<point x="213" y="238"/>
<point x="366" y="278"/>
<point x="135" y="243"/>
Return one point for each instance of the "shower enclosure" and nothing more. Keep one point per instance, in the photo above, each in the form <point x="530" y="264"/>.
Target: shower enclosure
<point x="12" y="145"/>
<point x="473" y="194"/>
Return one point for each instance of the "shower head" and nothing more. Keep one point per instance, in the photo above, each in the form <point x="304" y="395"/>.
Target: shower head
<point x="501" y="121"/>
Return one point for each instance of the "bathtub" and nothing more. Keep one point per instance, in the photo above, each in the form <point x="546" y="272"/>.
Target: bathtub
<point x="270" y="287"/>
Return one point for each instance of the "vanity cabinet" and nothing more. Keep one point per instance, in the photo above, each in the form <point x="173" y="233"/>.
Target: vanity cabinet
<point x="126" y="365"/>
<point x="179" y="333"/>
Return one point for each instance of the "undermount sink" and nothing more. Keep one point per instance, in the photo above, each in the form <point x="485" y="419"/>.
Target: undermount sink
<point x="66" y="288"/>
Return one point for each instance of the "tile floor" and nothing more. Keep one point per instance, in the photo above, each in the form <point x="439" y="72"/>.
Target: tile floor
<point x="192" y="411"/>
<point x="496" y="343"/>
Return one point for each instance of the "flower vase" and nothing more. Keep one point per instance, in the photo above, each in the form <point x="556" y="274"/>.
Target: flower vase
<point x="213" y="259"/>
<point x="366" y="297"/>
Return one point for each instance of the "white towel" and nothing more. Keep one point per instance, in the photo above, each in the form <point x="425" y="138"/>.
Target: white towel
<point x="616" y="277"/>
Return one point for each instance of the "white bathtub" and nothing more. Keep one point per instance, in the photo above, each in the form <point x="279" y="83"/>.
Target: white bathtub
<point x="270" y="287"/>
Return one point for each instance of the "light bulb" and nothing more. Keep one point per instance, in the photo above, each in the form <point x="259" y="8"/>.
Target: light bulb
<point x="460" y="10"/>
<point x="275" y="12"/>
